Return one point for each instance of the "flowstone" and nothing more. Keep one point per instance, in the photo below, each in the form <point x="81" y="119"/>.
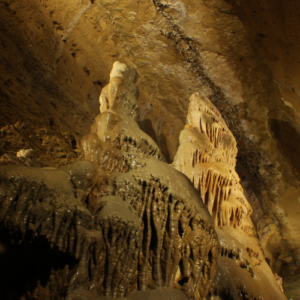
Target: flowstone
<point x="121" y="223"/>
<point x="127" y="222"/>
<point x="207" y="156"/>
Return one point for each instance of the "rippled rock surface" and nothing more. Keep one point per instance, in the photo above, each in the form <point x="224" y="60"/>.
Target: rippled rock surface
<point x="207" y="155"/>
<point x="118" y="221"/>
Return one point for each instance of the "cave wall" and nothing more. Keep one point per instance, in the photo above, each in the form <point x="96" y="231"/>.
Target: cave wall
<point x="56" y="57"/>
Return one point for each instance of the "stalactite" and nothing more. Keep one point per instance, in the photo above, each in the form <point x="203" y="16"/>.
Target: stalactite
<point x="207" y="155"/>
<point x="131" y="221"/>
<point x="214" y="178"/>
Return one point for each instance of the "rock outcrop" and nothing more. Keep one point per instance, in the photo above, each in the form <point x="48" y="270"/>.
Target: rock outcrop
<point x="207" y="155"/>
<point x="56" y="57"/>
<point x="130" y="221"/>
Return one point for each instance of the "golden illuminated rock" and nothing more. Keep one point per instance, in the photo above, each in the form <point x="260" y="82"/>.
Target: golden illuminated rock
<point x="207" y="155"/>
<point x="116" y="125"/>
<point x="56" y="58"/>
<point x="131" y="221"/>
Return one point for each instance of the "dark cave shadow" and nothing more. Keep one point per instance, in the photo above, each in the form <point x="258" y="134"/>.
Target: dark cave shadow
<point x="146" y="126"/>
<point x="288" y="141"/>
<point x="24" y="266"/>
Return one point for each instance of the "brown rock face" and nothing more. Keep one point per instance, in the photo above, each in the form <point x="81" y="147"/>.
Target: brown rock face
<point x="127" y="221"/>
<point x="56" y="57"/>
<point x="207" y="155"/>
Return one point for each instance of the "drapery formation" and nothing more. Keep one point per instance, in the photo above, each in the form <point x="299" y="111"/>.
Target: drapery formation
<point x="130" y="220"/>
<point x="207" y="156"/>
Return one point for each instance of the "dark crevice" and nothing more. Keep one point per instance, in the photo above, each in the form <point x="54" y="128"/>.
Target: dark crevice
<point x="27" y="265"/>
<point x="289" y="142"/>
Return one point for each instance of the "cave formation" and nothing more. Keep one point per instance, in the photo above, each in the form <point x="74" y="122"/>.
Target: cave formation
<point x="130" y="221"/>
<point x="187" y="185"/>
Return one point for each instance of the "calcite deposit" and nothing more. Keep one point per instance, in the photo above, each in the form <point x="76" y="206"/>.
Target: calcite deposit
<point x="122" y="223"/>
<point x="126" y="220"/>
<point x="56" y="57"/>
<point x="207" y="155"/>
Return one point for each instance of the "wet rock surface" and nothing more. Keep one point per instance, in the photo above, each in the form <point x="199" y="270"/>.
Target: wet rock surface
<point x="207" y="155"/>
<point x="56" y="57"/>
<point x="129" y="224"/>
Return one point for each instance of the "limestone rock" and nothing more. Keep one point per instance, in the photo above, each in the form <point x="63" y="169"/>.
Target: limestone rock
<point x="207" y="155"/>
<point x="131" y="221"/>
<point x="56" y="58"/>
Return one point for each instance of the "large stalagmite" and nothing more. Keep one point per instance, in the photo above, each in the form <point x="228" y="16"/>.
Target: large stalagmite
<point x="207" y="155"/>
<point x="127" y="221"/>
<point x="170" y="218"/>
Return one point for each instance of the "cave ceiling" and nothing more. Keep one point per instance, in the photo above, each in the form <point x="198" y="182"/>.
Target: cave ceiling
<point x="56" y="57"/>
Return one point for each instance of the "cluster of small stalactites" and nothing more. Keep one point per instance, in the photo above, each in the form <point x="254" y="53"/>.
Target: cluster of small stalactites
<point x="48" y="203"/>
<point x="177" y="228"/>
<point x="207" y="155"/>
<point x="204" y="117"/>
<point x="150" y="231"/>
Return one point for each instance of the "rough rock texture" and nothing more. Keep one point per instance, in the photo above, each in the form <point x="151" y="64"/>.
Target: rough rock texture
<point x="207" y="155"/>
<point x="129" y="221"/>
<point x="175" y="245"/>
<point x="56" y="56"/>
